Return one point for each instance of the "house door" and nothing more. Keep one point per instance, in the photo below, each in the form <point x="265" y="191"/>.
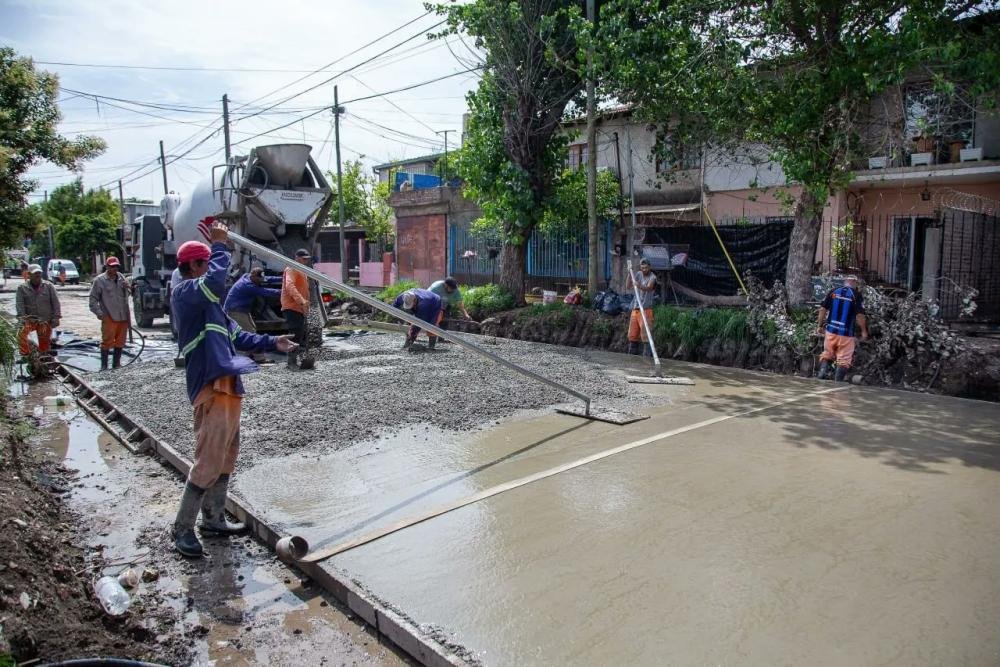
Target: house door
<point x="421" y="249"/>
<point x="911" y="261"/>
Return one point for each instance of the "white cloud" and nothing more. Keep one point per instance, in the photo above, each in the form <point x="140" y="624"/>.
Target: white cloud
<point x="292" y="34"/>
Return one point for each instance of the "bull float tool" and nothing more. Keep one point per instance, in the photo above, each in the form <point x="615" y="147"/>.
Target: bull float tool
<point x="657" y="377"/>
<point x="587" y="411"/>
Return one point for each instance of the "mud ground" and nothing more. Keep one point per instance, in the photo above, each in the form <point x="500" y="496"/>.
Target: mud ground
<point x="90" y="507"/>
<point x="240" y="606"/>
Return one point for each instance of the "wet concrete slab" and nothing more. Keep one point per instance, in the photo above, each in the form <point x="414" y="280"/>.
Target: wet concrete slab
<point x="756" y="521"/>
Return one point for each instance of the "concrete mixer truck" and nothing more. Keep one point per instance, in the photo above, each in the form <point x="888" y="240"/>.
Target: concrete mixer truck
<point x="276" y="195"/>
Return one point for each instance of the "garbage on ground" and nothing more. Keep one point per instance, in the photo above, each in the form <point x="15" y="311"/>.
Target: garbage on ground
<point x="128" y="578"/>
<point x="112" y="596"/>
<point x="150" y="574"/>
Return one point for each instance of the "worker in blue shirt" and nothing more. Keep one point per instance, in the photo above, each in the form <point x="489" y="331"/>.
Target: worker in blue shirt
<point x="840" y="311"/>
<point x="241" y="296"/>
<point x="424" y="304"/>
<point x="209" y="340"/>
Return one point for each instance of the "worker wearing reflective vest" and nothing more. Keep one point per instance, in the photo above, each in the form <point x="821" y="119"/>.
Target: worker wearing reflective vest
<point x="840" y="311"/>
<point x="209" y="340"/>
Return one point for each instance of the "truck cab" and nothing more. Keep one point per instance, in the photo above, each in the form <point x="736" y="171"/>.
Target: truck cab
<point x="153" y="260"/>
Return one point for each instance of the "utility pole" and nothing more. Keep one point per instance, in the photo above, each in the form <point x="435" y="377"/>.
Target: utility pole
<point x="121" y="205"/>
<point x="163" y="167"/>
<point x="225" y="125"/>
<point x="444" y="166"/>
<point x="337" y="110"/>
<point x="52" y="250"/>
<point x="592" y="229"/>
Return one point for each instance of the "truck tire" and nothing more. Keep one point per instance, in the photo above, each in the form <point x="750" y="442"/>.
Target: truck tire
<point x="141" y="318"/>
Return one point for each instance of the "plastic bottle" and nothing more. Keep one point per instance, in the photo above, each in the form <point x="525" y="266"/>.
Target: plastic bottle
<point x="113" y="597"/>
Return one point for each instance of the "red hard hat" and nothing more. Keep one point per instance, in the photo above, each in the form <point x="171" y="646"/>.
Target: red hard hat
<point x="112" y="261"/>
<point x="191" y="251"/>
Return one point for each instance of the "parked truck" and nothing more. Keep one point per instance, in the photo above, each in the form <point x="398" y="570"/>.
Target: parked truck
<point x="276" y="195"/>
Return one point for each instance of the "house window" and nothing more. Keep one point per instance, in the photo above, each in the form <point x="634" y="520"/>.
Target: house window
<point x="329" y="252"/>
<point x="578" y="156"/>
<point x="947" y="117"/>
<point x="672" y="156"/>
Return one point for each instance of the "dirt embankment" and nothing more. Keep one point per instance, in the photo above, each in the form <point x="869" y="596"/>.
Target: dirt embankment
<point x="48" y="611"/>
<point x="973" y="373"/>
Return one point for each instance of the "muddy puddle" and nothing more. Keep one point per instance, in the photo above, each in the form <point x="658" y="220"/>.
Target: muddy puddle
<point x="240" y="606"/>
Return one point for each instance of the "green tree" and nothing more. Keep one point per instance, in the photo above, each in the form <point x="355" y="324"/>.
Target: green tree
<point x="83" y="223"/>
<point x="28" y="119"/>
<point x="796" y="76"/>
<point x="366" y="201"/>
<point x="512" y="161"/>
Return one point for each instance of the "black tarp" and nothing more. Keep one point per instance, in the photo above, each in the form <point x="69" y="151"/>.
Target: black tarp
<point x="759" y="249"/>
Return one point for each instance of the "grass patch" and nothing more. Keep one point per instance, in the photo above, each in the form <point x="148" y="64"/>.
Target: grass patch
<point x="692" y="327"/>
<point x="557" y="314"/>
<point x="485" y="300"/>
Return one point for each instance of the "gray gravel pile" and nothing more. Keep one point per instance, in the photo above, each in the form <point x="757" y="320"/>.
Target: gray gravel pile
<point x="360" y="389"/>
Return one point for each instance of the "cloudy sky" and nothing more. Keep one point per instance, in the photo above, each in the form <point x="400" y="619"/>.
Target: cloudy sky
<point x="212" y="39"/>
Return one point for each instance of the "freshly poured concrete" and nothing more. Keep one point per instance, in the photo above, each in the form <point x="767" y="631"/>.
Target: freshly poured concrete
<point x="856" y="527"/>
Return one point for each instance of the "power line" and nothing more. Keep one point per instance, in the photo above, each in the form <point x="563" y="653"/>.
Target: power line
<point x="337" y="60"/>
<point x="359" y="99"/>
<point x="343" y="72"/>
<point x="177" y="69"/>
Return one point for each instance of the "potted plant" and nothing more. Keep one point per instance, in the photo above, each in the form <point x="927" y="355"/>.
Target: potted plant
<point x="923" y="142"/>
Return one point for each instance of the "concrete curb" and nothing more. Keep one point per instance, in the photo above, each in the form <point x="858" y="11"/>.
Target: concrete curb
<point x="387" y="623"/>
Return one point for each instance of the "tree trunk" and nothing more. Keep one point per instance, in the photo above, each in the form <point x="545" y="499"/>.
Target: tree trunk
<point x="802" y="248"/>
<point x="514" y="269"/>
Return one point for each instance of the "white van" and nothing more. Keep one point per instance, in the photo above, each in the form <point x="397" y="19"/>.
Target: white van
<point x="72" y="275"/>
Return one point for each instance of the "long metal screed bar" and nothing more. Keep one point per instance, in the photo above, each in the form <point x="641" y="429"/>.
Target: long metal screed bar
<point x="323" y="279"/>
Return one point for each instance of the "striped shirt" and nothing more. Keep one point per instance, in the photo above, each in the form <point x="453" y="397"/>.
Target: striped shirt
<point x="843" y="305"/>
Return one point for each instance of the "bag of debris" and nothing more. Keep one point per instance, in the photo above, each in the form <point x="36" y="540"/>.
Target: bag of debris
<point x="612" y="304"/>
<point x="598" y="302"/>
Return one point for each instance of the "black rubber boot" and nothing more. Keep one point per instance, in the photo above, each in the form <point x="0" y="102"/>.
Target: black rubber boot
<point x="104" y="360"/>
<point x="634" y="348"/>
<point x="408" y="343"/>
<point x="116" y="361"/>
<point x="824" y="370"/>
<point x="185" y="541"/>
<point x="213" y="511"/>
<point x="841" y="374"/>
<point x="293" y="358"/>
<point x="431" y="343"/>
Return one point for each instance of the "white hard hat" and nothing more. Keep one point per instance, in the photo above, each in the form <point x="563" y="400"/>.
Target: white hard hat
<point x="409" y="300"/>
<point x="34" y="268"/>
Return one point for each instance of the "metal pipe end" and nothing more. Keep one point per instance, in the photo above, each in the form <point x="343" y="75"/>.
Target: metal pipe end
<point x="291" y="548"/>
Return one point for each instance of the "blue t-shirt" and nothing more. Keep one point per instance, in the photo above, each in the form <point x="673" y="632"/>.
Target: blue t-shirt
<point x="842" y="305"/>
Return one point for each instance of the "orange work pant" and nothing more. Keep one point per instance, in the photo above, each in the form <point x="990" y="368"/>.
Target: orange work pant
<point x="414" y="330"/>
<point x="113" y="333"/>
<point x="42" y="329"/>
<point x="216" y="432"/>
<point x="840" y="348"/>
<point x="636" y="332"/>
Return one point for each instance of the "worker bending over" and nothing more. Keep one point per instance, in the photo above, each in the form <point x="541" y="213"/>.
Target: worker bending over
<point x="645" y="281"/>
<point x="209" y="340"/>
<point x="840" y="311"/>
<point x="109" y="295"/>
<point x="295" y="304"/>
<point x="241" y="295"/>
<point x="424" y="304"/>
<point x="37" y="307"/>
<point x="451" y="299"/>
